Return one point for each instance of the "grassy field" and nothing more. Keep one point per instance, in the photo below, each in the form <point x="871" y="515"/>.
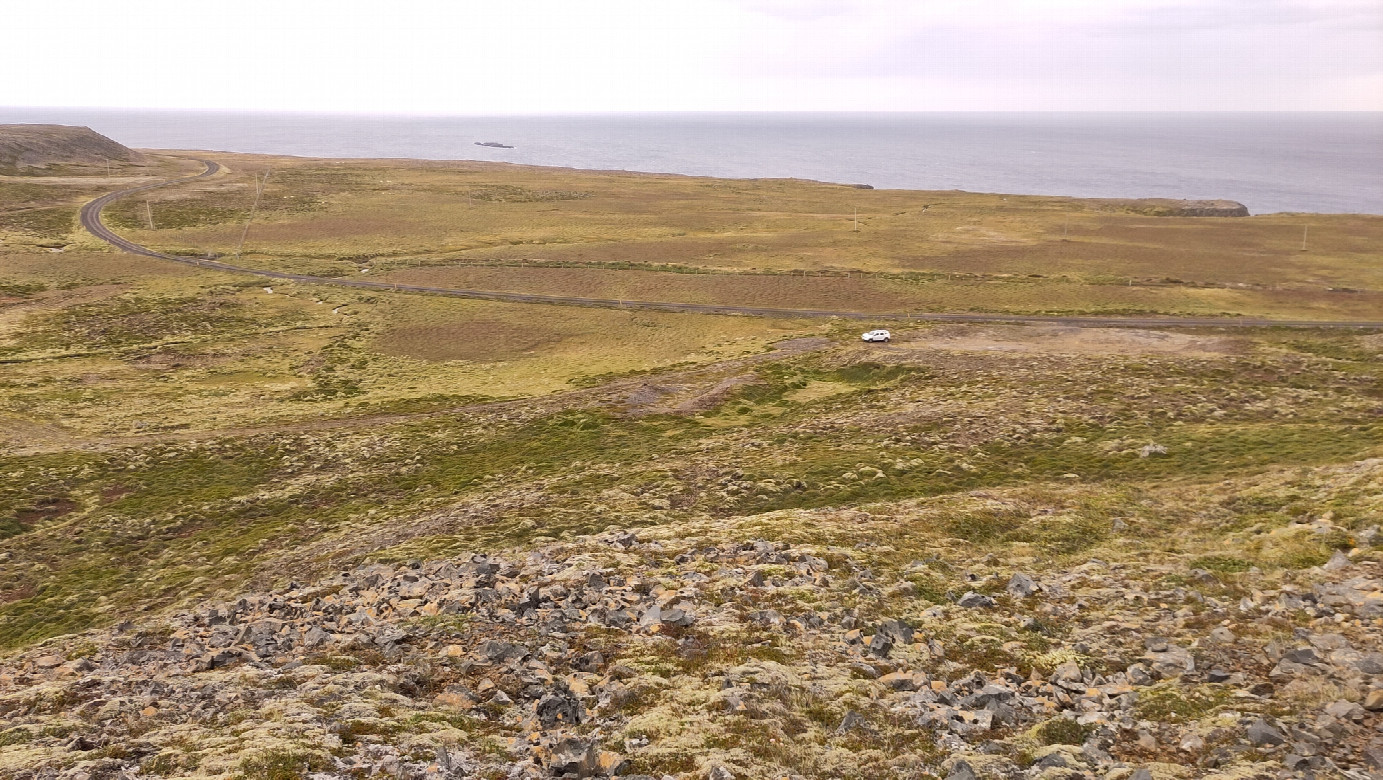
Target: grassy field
<point x="902" y="294"/>
<point x="151" y="523"/>
<point x="40" y="211"/>
<point x="150" y="403"/>
<point x="436" y="222"/>
<point x="170" y="436"/>
<point x="155" y="347"/>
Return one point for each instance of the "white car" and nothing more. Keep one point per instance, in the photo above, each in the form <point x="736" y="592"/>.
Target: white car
<point x="877" y="335"/>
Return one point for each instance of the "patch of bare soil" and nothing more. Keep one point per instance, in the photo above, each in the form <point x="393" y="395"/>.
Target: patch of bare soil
<point x="482" y="341"/>
<point x="1064" y="339"/>
<point x="17" y="432"/>
<point x="713" y="397"/>
<point x="683" y="398"/>
<point x="699" y="391"/>
<point x="1374" y="342"/>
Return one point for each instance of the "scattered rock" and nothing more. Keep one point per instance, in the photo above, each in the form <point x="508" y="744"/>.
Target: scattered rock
<point x="1260" y="733"/>
<point x="1337" y="561"/>
<point x="1022" y="586"/>
<point x="547" y="644"/>
<point x="1373" y="700"/>
<point x="973" y="600"/>
<point x="961" y="770"/>
<point x="559" y="709"/>
<point x="852" y="720"/>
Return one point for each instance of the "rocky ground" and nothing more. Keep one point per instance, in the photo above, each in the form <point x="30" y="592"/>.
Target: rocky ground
<point x="298" y="534"/>
<point x="825" y="562"/>
<point x="669" y="652"/>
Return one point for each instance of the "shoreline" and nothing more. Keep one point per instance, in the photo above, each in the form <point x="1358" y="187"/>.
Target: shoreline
<point x="1273" y="163"/>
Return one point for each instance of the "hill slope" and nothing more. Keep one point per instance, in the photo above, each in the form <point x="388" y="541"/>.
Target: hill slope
<point x="936" y="559"/>
<point x="24" y="148"/>
<point x="300" y="532"/>
<point x="702" y="649"/>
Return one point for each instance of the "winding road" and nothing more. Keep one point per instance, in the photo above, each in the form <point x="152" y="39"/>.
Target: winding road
<point x="91" y="220"/>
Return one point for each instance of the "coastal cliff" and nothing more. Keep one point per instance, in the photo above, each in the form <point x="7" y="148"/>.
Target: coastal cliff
<point x="32" y="148"/>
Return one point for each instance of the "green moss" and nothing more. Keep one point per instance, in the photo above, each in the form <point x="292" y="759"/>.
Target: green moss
<point x="1061" y="731"/>
<point x="352" y="731"/>
<point x="1302" y="552"/>
<point x="422" y="404"/>
<point x="455" y="720"/>
<point x="11" y="526"/>
<point x="131" y="214"/>
<point x="21" y="289"/>
<point x="985" y="525"/>
<point x="983" y="652"/>
<point x="49" y="222"/>
<point x="1176" y="703"/>
<point x="168" y="763"/>
<point x="326" y="387"/>
<point x="337" y="663"/>
<point x="1334" y="348"/>
<point x="1235" y="449"/>
<point x="1063" y="535"/>
<point x="282" y="764"/>
<point x="506" y="193"/>
<point x="57" y="730"/>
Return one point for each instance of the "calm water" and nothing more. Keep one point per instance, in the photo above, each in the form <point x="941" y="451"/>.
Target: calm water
<point x="1269" y="162"/>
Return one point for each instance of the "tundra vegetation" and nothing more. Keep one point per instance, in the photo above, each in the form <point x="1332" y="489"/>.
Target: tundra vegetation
<point x="265" y="530"/>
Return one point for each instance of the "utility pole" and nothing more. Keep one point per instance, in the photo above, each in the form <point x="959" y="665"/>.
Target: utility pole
<point x="857" y="220"/>
<point x="259" y="190"/>
<point x="1304" y="229"/>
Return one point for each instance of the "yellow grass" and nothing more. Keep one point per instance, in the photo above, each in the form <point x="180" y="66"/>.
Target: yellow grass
<point x="388" y="349"/>
<point x="434" y="222"/>
<point x="304" y="352"/>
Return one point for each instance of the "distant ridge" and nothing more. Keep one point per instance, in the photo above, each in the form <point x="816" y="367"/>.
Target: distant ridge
<point x="30" y="149"/>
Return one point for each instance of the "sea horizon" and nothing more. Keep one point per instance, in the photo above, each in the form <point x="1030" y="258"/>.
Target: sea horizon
<point x="1311" y="162"/>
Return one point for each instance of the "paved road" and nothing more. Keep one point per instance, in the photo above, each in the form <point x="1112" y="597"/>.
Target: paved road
<point x="91" y="220"/>
<point x="91" y="214"/>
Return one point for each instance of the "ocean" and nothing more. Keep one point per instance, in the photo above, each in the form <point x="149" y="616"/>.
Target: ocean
<point x="1303" y="162"/>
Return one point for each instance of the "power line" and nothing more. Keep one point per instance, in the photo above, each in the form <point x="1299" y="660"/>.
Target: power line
<point x="259" y="190"/>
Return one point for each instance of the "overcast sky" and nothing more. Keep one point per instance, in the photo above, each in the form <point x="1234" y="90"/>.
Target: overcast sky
<point x="555" y="56"/>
